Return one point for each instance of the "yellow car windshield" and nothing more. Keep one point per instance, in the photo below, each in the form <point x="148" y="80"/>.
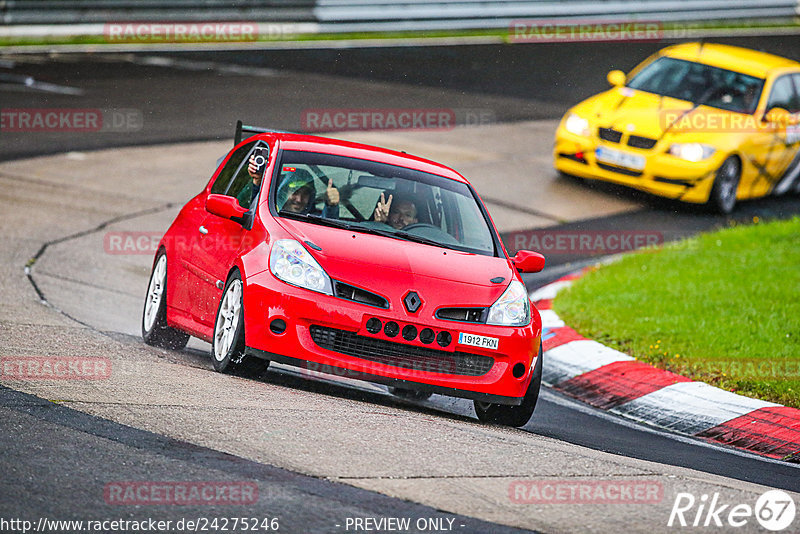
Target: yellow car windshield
<point x="699" y="84"/>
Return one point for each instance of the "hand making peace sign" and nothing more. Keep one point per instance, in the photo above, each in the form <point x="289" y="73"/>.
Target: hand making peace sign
<point x="382" y="210"/>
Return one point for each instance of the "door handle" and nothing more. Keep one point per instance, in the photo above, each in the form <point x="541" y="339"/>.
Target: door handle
<point x="203" y="230"/>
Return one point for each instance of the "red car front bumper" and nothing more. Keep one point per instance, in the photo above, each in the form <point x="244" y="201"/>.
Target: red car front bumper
<point x="327" y="334"/>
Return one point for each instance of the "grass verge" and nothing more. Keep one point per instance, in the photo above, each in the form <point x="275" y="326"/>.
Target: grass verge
<point x="723" y="308"/>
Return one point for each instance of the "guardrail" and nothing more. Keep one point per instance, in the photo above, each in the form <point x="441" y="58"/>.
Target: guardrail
<point x="362" y="15"/>
<point x="100" y="11"/>
<point x="390" y="15"/>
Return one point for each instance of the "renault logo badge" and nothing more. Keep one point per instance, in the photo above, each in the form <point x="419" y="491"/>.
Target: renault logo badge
<point x="412" y="302"/>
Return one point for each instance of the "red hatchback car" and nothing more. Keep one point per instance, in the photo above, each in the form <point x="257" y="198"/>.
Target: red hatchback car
<point x="340" y="257"/>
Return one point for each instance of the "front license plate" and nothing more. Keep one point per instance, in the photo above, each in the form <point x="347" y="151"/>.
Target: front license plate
<point x="478" y="341"/>
<point x="619" y="158"/>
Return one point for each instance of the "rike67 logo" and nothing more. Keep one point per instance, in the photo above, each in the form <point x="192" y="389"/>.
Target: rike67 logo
<point x="774" y="511"/>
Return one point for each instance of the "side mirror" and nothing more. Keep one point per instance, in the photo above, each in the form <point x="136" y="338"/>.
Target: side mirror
<point x="616" y="78"/>
<point x="225" y="206"/>
<point x="527" y="261"/>
<point x="778" y="117"/>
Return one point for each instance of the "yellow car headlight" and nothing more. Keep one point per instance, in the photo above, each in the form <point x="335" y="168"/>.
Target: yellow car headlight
<point x="577" y="125"/>
<point x="692" y="151"/>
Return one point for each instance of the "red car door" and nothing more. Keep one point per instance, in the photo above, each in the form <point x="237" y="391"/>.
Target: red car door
<point x="184" y="239"/>
<point x="215" y="241"/>
<point x="220" y="240"/>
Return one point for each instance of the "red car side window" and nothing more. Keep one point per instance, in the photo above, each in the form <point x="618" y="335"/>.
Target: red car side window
<point x="229" y="171"/>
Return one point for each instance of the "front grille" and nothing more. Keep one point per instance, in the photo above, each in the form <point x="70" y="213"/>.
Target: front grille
<point x="637" y="141"/>
<point x="609" y="134"/>
<point x="467" y="315"/>
<point x="627" y="172"/>
<point x="356" y="294"/>
<point x="409" y="357"/>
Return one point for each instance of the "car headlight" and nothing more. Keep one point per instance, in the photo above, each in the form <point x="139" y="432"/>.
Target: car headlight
<point x="293" y="264"/>
<point x="692" y="151"/>
<point x="512" y="308"/>
<point x="577" y="125"/>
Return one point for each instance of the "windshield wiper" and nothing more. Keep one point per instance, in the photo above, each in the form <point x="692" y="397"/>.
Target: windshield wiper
<point x="419" y="239"/>
<point x="318" y="219"/>
<point x="405" y="236"/>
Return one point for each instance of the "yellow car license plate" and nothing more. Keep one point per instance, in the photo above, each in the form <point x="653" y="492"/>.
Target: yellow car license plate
<point x="619" y="158"/>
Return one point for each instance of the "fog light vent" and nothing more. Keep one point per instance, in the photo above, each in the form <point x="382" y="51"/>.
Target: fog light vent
<point x="391" y="329"/>
<point x="278" y="326"/>
<point x="374" y="325"/>
<point x="409" y="332"/>
<point x="427" y="336"/>
<point x="444" y="338"/>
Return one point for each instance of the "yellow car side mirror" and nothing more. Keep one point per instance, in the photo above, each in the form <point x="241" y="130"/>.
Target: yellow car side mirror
<point x="616" y="78"/>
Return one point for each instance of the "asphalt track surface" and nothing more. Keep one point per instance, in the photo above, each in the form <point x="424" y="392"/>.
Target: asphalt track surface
<point x="69" y="489"/>
<point x="507" y="85"/>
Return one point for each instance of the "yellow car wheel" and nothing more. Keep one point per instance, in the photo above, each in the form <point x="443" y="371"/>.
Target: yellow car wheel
<point x="726" y="182"/>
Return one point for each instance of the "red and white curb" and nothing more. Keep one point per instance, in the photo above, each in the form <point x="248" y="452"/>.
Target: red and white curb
<point x="611" y="380"/>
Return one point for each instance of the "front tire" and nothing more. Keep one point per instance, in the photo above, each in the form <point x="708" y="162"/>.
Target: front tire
<point x="723" y="193"/>
<point x="518" y="416"/>
<point x="227" y="344"/>
<point x="155" y="330"/>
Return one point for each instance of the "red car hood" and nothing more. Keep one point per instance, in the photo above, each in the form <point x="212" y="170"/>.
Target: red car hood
<point x="392" y="267"/>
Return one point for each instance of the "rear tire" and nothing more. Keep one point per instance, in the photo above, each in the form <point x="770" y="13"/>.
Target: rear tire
<point x="723" y="193"/>
<point x="155" y="330"/>
<point x="227" y="343"/>
<point x="518" y="416"/>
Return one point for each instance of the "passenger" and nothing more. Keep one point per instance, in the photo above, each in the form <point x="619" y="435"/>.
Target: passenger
<point x="249" y="193"/>
<point x="397" y="213"/>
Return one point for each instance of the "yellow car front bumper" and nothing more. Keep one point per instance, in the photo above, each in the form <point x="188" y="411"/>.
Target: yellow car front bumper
<point x="663" y="174"/>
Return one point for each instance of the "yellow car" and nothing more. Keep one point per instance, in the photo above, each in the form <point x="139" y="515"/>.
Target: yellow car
<point x="697" y="122"/>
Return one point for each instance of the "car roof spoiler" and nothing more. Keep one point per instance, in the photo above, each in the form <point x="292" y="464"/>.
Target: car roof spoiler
<point x="242" y="128"/>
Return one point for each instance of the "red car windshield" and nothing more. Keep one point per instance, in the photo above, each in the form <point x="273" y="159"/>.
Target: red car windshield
<point x="379" y="198"/>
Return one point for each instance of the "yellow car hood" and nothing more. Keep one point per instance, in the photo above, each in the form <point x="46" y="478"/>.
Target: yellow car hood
<point x="637" y="112"/>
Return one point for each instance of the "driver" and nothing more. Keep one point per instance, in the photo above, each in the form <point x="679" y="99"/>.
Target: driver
<point x="298" y="189"/>
<point x="396" y="212"/>
<point x="297" y="194"/>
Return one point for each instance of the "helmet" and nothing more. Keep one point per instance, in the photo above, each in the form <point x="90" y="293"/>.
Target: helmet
<point x="292" y="181"/>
